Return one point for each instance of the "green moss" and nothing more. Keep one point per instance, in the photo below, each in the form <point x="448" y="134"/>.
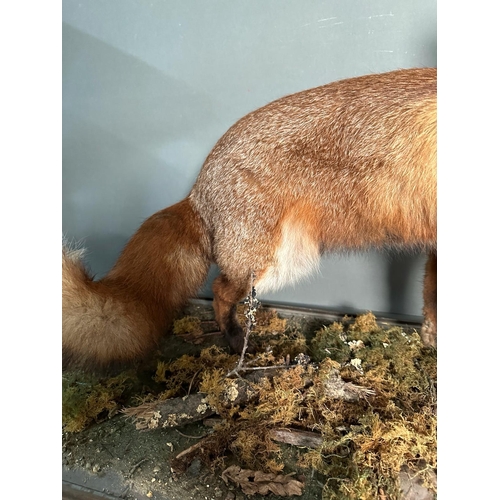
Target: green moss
<point x="86" y="399"/>
<point x="330" y="342"/>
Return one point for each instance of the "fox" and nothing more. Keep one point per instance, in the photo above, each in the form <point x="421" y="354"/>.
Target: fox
<point x="346" y="166"/>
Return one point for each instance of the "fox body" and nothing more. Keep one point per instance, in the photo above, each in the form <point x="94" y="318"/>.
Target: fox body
<point x="348" y="165"/>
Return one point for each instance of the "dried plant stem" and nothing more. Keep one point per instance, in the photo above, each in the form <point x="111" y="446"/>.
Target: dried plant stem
<point x="138" y="464"/>
<point x="252" y="306"/>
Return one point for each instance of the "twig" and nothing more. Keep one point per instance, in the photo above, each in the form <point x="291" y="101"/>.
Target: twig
<point x="127" y="447"/>
<point x="253" y="304"/>
<point x="124" y="493"/>
<point x="105" y="449"/>
<point x="192" y="380"/>
<point x="190" y="437"/>
<point x="189" y="450"/>
<point x="134" y="468"/>
<point x="255" y="368"/>
<point x="183" y="460"/>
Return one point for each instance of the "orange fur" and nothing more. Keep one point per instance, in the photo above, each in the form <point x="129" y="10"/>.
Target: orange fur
<point x="120" y="318"/>
<point x="348" y="165"/>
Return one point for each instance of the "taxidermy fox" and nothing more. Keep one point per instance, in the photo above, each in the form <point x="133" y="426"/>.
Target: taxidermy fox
<point x="348" y="165"/>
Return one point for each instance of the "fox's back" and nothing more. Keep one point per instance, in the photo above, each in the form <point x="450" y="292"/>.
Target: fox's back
<point x="356" y="159"/>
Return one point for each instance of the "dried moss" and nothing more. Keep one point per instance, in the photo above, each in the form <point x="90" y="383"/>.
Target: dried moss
<point x="190" y="329"/>
<point x="280" y="399"/>
<point x="184" y="375"/>
<point x="187" y="325"/>
<point x="251" y="443"/>
<point x="267" y="321"/>
<point x="278" y="342"/>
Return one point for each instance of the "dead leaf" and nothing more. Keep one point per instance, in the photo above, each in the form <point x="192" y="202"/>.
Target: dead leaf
<point x="258" y="482"/>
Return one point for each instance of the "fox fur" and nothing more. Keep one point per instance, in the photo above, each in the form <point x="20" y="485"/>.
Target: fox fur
<point x="348" y="165"/>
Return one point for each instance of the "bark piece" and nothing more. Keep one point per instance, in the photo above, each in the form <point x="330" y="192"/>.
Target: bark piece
<point x="173" y="412"/>
<point x="297" y="438"/>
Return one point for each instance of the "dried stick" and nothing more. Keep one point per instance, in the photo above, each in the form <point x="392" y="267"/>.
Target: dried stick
<point x="252" y="305"/>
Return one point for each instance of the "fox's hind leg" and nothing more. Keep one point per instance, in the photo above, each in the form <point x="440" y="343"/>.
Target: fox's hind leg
<point x="429" y="327"/>
<point x="227" y="294"/>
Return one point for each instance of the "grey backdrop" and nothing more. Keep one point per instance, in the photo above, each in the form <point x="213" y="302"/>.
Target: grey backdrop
<point x="149" y="87"/>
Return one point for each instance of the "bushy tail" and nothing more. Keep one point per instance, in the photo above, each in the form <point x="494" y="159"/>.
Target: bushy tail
<point x="120" y="319"/>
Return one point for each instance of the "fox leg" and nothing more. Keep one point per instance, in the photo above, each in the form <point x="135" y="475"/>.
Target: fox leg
<point x="429" y="327"/>
<point x="227" y="294"/>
